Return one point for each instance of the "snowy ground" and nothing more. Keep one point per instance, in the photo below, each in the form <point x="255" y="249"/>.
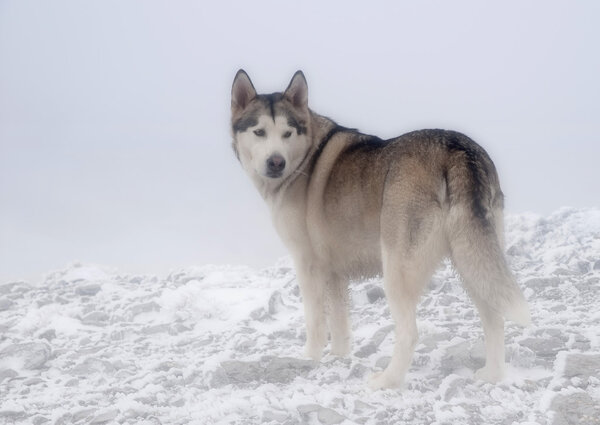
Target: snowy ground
<point x="222" y="345"/>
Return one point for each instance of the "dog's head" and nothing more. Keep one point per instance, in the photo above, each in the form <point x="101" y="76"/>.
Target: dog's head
<point x="271" y="132"/>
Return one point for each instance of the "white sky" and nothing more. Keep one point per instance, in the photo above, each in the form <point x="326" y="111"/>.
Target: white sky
<point x="114" y="115"/>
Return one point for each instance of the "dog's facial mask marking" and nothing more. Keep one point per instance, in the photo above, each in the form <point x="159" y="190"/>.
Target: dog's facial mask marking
<point x="270" y="131"/>
<point x="271" y="148"/>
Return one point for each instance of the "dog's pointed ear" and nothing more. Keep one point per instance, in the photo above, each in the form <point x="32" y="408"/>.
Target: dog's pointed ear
<point x="297" y="91"/>
<point x="242" y="91"/>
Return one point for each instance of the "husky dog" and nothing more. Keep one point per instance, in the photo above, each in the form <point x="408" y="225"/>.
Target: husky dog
<point x="349" y="205"/>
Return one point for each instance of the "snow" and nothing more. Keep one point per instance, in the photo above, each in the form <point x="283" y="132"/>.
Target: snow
<point x="223" y="344"/>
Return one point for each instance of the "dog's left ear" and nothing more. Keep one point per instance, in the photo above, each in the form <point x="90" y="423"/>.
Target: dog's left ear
<point x="297" y="91"/>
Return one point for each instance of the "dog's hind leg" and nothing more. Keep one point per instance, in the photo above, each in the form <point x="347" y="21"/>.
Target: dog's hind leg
<point x="409" y="258"/>
<point x="338" y="317"/>
<point x="399" y="281"/>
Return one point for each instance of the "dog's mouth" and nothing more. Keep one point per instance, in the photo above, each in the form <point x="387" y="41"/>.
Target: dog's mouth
<point x="274" y="174"/>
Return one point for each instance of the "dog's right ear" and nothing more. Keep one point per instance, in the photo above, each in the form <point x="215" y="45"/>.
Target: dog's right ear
<point x="242" y="91"/>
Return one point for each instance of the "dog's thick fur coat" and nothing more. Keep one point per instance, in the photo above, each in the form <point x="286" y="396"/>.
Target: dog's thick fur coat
<point x="348" y="205"/>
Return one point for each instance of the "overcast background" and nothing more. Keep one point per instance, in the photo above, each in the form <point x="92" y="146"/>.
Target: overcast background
<point x="114" y="134"/>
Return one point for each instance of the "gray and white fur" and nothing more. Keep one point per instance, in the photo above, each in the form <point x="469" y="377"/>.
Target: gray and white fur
<point x="349" y="205"/>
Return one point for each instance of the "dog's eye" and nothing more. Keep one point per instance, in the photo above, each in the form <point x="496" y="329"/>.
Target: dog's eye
<point x="260" y="132"/>
<point x="287" y="134"/>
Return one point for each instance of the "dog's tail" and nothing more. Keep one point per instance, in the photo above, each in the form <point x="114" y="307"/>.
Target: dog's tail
<point x="477" y="254"/>
<point x="475" y="230"/>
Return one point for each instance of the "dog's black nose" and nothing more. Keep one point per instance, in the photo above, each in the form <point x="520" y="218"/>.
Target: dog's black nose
<point x="275" y="165"/>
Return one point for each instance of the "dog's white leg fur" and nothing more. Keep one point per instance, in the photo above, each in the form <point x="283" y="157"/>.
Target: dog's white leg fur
<point x="312" y="287"/>
<point x="410" y="253"/>
<point x="338" y="316"/>
<point x="403" y="282"/>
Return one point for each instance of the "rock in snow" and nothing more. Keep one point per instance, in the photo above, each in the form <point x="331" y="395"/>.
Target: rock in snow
<point x="268" y="369"/>
<point x="32" y="355"/>
<point x="582" y="366"/>
<point x="91" y="289"/>
<point x="5" y="304"/>
<point x="223" y="344"/>
<point x="576" y="409"/>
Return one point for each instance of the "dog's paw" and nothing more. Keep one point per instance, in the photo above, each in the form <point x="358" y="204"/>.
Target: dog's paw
<point x="383" y="380"/>
<point x="490" y="374"/>
<point x="313" y="352"/>
<point x="341" y="348"/>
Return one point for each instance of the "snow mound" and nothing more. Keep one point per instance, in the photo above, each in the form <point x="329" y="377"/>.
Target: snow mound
<point x="222" y="345"/>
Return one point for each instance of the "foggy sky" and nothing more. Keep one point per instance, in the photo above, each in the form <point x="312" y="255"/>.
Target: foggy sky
<point x="114" y="136"/>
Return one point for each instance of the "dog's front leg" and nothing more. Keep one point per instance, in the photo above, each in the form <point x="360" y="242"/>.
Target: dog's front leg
<point x="312" y="288"/>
